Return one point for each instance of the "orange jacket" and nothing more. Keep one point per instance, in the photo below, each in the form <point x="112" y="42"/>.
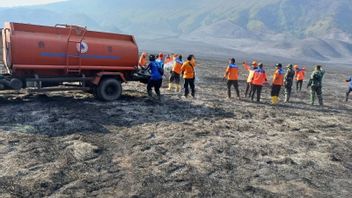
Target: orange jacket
<point x="187" y="70"/>
<point x="300" y="74"/>
<point x="259" y="77"/>
<point x="143" y="60"/>
<point x="231" y="72"/>
<point x="278" y="78"/>
<point x="177" y="68"/>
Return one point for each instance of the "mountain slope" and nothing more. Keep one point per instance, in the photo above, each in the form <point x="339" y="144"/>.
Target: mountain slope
<point x="300" y="18"/>
<point x="289" y="28"/>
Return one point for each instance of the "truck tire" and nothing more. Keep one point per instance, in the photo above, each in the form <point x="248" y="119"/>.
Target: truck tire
<point x="109" y="90"/>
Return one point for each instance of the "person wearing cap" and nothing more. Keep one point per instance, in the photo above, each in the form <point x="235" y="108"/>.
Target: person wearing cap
<point x="300" y="75"/>
<point x="156" y="77"/>
<point x="349" y="90"/>
<point x="289" y="77"/>
<point x="278" y="81"/>
<point x="189" y="75"/>
<point x="249" y="87"/>
<point x="316" y="84"/>
<point x="258" y="81"/>
<point x="231" y="74"/>
<point x="176" y="74"/>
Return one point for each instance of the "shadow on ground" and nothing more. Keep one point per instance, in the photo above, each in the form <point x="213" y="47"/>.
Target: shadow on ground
<point x="63" y="115"/>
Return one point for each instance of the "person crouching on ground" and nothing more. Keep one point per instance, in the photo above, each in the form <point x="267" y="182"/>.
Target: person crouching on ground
<point x="231" y="75"/>
<point x="258" y="81"/>
<point x="156" y="78"/>
<point x="189" y="75"/>
<point x="176" y="74"/>
<point x="278" y="81"/>
<point x="349" y="81"/>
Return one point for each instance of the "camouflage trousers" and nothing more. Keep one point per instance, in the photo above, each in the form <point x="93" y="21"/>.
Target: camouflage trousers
<point x="288" y="91"/>
<point x="316" y="91"/>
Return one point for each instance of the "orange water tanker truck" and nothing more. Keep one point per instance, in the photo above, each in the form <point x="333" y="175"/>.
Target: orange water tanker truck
<point x="67" y="57"/>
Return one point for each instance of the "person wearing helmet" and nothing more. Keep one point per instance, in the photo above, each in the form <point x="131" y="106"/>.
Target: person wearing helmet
<point x="249" y="87"/>
<point x="300" y="74"/>
<point x="349" y="81"/>
<point x="258" y="81"/>
<point x="156" y="77"/>
<point x="231" y="74"/>
<point x="189" y="75"/>
<point x="315" y="83"/>
<point x="289" y="77"/>
<point x="278" y="81"/>
<point x="176" y="74"/>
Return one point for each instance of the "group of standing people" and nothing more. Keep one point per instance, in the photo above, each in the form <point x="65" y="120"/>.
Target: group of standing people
<point x="186" y="70"/>
<point x="257" y="78"/>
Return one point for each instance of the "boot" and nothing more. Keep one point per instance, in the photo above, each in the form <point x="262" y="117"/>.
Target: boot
<point x="312" y="99"/>
<point x="170" y="86"/>
<point x="158" y="97"/>
<point x="178" y="88"/>
<point x="150" y="94"/>
<point x="321" y="103"/>
<point x="347" y="97"/>
<point x="276" y="100"/>
<point x="273" y="100"/>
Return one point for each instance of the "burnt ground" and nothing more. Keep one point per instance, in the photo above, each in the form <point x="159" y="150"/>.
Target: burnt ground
<point x="70" y="145"/>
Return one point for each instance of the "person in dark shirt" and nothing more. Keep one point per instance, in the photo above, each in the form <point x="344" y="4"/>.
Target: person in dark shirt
<point x="156" y="79"/>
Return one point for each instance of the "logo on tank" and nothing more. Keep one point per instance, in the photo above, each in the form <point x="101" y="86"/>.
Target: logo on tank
<point x="82" y="47"/>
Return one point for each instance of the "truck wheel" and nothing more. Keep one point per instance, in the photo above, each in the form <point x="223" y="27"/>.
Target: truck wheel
<point x="109" y="90"/>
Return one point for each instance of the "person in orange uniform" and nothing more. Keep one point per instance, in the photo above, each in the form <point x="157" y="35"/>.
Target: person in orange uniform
<point x="232" y="77"/>
<point x="176" y="74"/>
<point x="258" y="81"/>
<point x="189" y="75"/>
<point x="278" y="82"/>
<point x="143" y="60"/>
<point x="300" y="74"/>
<point x="250" y="70"/>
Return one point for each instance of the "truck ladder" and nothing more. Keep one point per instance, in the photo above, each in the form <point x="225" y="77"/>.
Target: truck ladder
<point x="74" y="68"/>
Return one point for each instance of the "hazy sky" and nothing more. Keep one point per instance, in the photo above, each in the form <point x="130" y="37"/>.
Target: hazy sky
<point x="11" y="3"/>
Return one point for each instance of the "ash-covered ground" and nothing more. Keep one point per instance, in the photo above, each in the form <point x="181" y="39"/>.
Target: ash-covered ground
<point x="70" y="145"/>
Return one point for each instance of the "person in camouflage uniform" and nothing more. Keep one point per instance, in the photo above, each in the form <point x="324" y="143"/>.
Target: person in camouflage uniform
<point x="289" y="77"/>
<point x="315" y="83"/>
